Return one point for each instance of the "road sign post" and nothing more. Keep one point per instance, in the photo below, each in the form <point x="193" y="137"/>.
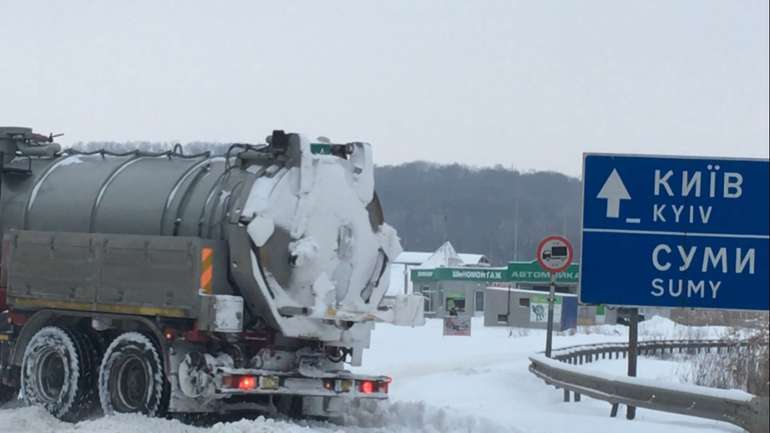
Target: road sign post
<point x="633" y="350"/>
<point x="549" y="331"/>
<point x="675" y="232"/>
<point x="554" y="254"/>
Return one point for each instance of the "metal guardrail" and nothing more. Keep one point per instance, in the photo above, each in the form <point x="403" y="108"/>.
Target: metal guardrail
<point x="748" y="413"/>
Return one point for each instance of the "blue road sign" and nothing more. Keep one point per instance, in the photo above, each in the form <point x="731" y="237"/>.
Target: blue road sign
<point x="675" y="232"/>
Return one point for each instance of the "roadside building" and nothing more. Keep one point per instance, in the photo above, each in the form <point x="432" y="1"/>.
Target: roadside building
<point x="444" y="256"/>
<point x="504" y="296"/>
<point x="529" y="309"/>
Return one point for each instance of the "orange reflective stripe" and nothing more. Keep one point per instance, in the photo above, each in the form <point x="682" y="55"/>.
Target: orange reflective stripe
<point x="207" y="254"/>
<point x="207" y="269"/>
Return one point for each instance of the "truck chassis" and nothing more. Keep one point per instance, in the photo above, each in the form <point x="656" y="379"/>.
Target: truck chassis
<point x="138" y="352"/>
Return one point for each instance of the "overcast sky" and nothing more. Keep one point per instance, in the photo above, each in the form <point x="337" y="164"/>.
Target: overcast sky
<point x="529" y="85"/>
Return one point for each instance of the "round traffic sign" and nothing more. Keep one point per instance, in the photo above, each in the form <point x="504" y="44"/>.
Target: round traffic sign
<point x="554" y="253"/>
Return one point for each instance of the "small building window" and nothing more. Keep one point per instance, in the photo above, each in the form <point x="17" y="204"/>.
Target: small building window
<point x="479" y="301"/>
<point x="502" y="318"/>
<point x="524" y="302"/>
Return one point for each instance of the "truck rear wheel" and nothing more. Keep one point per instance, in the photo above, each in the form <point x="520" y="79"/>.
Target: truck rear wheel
<point x="57" y="372"/>
<point x="131" y="377"/>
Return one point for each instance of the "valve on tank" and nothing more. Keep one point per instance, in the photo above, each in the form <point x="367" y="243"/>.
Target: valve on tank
<point x="17" y="139"/>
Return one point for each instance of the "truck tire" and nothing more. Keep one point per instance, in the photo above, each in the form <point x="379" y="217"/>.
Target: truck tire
<point x="131" y="377"/>
<point x="57" y="372"/>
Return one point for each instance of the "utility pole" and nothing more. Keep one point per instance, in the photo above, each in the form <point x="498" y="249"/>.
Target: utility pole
<point x="516" y="227"/>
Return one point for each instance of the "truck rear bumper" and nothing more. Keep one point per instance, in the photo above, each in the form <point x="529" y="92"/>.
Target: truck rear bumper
<point x="235" y="382"/>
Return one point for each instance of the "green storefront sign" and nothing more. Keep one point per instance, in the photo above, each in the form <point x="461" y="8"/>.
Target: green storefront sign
<point x="460" y="274"/>
<point x="516" y="272"/>
<point x="531" y="272"/>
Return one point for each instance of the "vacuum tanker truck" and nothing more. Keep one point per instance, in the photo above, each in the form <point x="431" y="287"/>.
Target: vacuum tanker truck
<point x="165" y="283"/>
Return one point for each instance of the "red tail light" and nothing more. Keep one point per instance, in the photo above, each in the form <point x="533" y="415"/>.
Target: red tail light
<point x="246" y="383"/>
<point x="366" y="387"/>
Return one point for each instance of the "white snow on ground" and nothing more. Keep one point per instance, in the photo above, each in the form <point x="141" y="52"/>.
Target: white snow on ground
<point x="660" y="328"/>
<point x="477" y="384"/>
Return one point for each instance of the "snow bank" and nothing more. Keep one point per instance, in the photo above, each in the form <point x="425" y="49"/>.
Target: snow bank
<point x="661" y="328"/>
<point x="417" y="417"/>
<point x="368" y="417"/>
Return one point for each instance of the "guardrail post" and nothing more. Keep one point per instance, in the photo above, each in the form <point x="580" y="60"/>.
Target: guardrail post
<point x="614" y="410"/>
<point x="577" y="396"/>
<point x="566" y="395"/>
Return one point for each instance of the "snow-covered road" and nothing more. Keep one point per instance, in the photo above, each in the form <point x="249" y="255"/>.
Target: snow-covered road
<point x="449" y="385"/>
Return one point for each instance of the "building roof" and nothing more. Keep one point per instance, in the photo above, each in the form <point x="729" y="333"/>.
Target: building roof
<point x="474" y="259"/>
<point x="412" y="257"/>
<point x="530" y="291"/>
<point x="420" y="257"/>
<point x="444" y="256"/>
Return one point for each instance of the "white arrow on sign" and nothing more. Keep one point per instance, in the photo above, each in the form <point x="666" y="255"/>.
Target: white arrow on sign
<point x="613" y="191"/>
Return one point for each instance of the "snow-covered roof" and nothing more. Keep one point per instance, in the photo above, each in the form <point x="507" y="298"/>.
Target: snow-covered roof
<point x="445" y="256"/>
<point x="412" y="257"/>
<point x="420" y="257"/>
<point x="474" y="259"/>
<point x="530" y="291"/>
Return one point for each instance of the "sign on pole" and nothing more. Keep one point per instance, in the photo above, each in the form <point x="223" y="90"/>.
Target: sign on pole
<point x="554" y="254"/>
<point x="516" y="272"/>
<point x="460" y="274"/>
<point x="533" y="273"/>
<point x="538" y="308"/>
<point x="675" y="232"/>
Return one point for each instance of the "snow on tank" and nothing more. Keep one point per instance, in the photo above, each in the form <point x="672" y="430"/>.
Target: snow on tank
<point x="334" y="284"/>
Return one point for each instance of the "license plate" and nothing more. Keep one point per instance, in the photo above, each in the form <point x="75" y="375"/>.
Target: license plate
<point x="269" y="382"/>
<point x="346" y="385"/>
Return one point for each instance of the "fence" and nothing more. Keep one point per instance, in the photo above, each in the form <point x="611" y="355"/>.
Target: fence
<point x="736" y="407"/>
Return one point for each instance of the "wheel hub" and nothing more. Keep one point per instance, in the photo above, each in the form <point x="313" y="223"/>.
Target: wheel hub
<point x="51" y="374"/>
<point x="132" y="379"/>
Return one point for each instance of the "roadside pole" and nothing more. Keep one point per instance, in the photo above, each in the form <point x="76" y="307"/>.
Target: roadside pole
<point x="551" y="301"/>
<point x="633" y="340"/>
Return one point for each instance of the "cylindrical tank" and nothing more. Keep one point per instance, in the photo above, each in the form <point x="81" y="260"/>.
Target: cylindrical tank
<point x="306" y="243"/>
